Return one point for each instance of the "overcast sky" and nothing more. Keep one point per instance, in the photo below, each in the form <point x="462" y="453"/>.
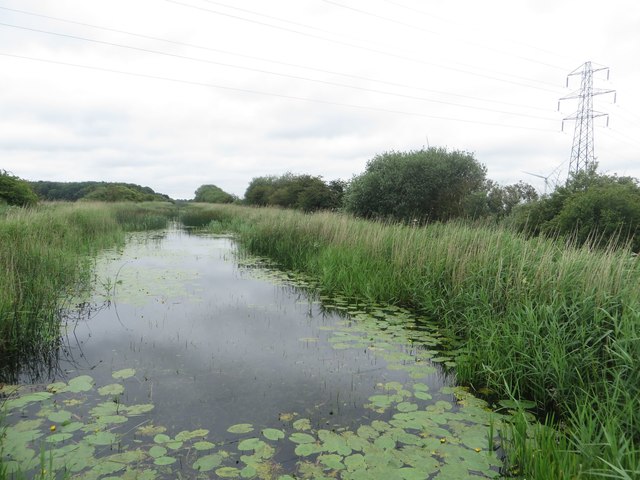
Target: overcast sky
<point x="173" y="94"/>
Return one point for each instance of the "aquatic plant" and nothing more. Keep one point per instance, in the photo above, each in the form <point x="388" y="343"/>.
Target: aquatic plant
<point x="81" y="430"/>
<point x="540" y="320"/>
<point x="45" y="254"/>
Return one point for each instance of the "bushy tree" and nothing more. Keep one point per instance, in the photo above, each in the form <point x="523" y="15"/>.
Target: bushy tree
<point x="498" y="201"/>
<point x="101" y="191"/>
<point x="304" y="192"/>
<point x="594" y="208"/>
<point x="212" y="194"/>
<point x="431" y="184"/>
<point x="15" y="191"/>
<point x="114" y="193"/>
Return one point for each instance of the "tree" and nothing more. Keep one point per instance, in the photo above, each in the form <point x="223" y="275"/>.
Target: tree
<point x="304" y="192"/>
<point x="431" y="184"/>
<point x="590" y="207"/>
<point x="15" y="191"/>
<point x="114" y="193"/>
<point x="501" y="200"/>
<point x="259" y="190"/>
<point x="212" y="194"/>
<point x="73" y="191"/>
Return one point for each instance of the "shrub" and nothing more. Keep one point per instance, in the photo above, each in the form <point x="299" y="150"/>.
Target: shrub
<point x="591" y="208"/>
<point x="430" y="184"/>
<point x="212" y="194"/>
<point x="14" y="191"/>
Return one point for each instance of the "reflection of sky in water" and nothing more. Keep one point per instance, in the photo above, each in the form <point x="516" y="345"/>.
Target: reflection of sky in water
<point x="214" y="346"/>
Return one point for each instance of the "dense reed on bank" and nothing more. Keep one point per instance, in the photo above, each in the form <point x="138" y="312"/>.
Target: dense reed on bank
<point x="44" y="254"/>
<point x="540" y="320"/>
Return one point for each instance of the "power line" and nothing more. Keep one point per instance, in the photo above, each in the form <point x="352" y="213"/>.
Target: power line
<point x="416" y="10"/>
<point x="622" y="137"/>
<point x="631" y="116"/>
<point x="422" y="29"/>
<point x="240" y="67"/>
<point x="262" y="59"/>
<point x="270" y="94"/>
<point x="381" y="52"/>
<point x="253" y="12"/>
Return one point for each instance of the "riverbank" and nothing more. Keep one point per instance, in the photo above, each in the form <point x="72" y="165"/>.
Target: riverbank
<point x="540" y="320"/>
<point x="45" y="254"/>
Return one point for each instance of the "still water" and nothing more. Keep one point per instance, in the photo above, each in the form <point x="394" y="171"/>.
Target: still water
<point x="212" y="341"/>
<point x="188" y="358"/>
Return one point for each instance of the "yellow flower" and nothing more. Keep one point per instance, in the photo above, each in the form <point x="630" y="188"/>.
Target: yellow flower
<point x="443" y="440"/>
<point x="52" y="428"/>
<point x="478" y="450"/>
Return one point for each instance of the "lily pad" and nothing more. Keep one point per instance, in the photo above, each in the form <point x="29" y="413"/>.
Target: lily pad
<point x="306" y="449"/>
<point x="83" y="383"/>
<point x="204" y="445"/>
<point x="162" y="438"/>
<point x="157" y="451"/>
<point x="301" y="438"/>
<point x="112" y="389"/>
<point x="56" y="387"/>
<point x="101" y="438"/>
<point x="273" y="434"/>
<point x="151" y="429"/>
<point x="208" y="462"/>
<point x="60" y="416"/>
<point x="240" y="428"/>
<point x="423" y="395"/>
<point x="186" y="435"/>
<point x="164" y="461"/>
<point x="228" y="472"/>
<point x="124" y="373"/>
<point x="139" y="409"/>
<point x="59" y="437"/>
<point x="250" y="472"/>
<point x="250" y="444"/>
<point x="25" y="400"/>
<point x="303" y="424"/>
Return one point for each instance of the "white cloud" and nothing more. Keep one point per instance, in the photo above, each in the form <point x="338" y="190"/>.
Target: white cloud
<point x="503" y="63"/>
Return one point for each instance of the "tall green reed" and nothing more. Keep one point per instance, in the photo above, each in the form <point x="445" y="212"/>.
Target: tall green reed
<point x="540" y="319"/>
<point x="45" y="254"/>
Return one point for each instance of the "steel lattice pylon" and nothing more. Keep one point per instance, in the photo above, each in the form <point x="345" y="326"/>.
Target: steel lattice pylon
<point x="582" y="149"/>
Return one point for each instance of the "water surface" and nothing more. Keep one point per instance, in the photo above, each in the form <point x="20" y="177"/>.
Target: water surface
<point x="203" y="361"/>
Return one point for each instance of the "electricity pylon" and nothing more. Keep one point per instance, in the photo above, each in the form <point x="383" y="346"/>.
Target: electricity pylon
<point x="582" y="150"/>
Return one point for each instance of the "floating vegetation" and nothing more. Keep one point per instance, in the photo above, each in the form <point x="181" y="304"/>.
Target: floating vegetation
<point x="408" y="426"/>
<point x="418" y="438"/>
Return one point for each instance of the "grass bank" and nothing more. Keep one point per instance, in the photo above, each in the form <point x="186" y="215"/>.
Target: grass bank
<point x="45" y="254"/>
<point x="541" y="321"/>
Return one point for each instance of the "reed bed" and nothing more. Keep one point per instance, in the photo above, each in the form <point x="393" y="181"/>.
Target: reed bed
<point x="540" y="320"/>
<point x="45" y="254"/>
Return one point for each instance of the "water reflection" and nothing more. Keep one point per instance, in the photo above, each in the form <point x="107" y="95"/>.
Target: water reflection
<point x="213" y="343"/>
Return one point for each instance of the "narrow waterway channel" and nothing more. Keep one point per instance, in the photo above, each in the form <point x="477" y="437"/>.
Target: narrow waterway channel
<point x="188" y="358"/>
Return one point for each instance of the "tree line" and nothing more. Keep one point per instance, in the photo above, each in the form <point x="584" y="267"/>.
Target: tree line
<point x="417" y="187"/>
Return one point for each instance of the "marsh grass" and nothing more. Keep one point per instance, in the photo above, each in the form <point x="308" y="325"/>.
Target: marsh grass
<point x="540" y="320"/>
<point x="45" y="254"/>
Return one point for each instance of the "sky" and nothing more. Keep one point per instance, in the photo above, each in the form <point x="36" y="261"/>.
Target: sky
<point x="174" y="94"/>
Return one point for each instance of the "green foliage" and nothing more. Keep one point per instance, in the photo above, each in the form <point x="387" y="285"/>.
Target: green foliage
<point x="497" y="201"/>
<point x="14" y="191"/>
<point x="99" y="191"/>
<point x="430" y="184"/>
<point x="538" y="320"/>
<point x="303" y="192"/>
<point x="44" y="255"/>
<point x="593" y="209"/>
<point x="213" y="194"/>
<point x="41" y="259"/>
